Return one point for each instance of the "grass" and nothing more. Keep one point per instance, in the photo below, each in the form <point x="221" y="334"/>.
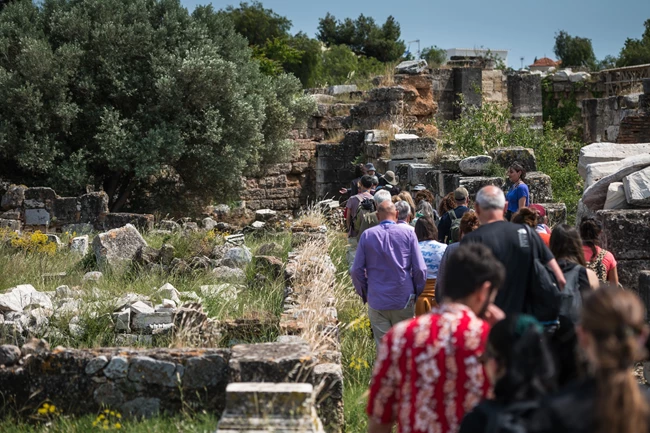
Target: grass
<point x="260" y="295"/>
<point x="186" y="423"/>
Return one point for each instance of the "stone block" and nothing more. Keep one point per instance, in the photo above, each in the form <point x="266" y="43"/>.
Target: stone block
<point x="13" y="225"/>
<point x="594" y="197"/>
<point x="469" y="83"/>
<point x="206" y="371"/>
<point x="151" y="371"/>
<point x="525" y="95"/>
<point x="615" y="197"/>
<point x="448" y="163"/>
<point x="539" y="186"/>
<point x="505" y="156"/>
<point x="412" y="67"/>
<point x="341" y="89"/>
<point x="629" y="271"/>
<point x="607" y="152"/>
<point x="42" y="195"/>
<point x="37" y="217"/>
<point x="118" y="247"/>
<point x="66" y="210"/>
<point x="475" y="165"/>
<point x="416" y="173"/>
<point x="329" y="379"/>
<point x="270" y="362"/>
<point x="644" y="290"/>
<point x="474" y="183"/>
<point x="281" y="407"/>
<point x="142" y="322"/>
<point x="598" y="170"/>
<point x="117" y="220"/>
<point x="79" y="245"/>
<point x="555" y="212"/>
<point x="412" y="148"/>
<point x="93" y="208"/>
<point x="13" y="198"/>
<point x="626" y="233"/>
<point x="637" y="188"/>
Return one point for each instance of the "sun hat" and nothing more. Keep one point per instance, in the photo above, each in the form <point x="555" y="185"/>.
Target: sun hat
<point x="390" y="178"/>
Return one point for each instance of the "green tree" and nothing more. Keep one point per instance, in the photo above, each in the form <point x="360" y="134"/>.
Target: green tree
<point x="607" y="62"/>
<point x="574" y="51"/>
<point x="636" y="51"/>
<point x="258" y="24"/>
<point x="434" y="56"/>
<point x="136" y="96"/>
<point x="363" y="36"/>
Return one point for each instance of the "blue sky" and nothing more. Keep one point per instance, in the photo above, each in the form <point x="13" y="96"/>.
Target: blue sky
<point x="526" y="28"/>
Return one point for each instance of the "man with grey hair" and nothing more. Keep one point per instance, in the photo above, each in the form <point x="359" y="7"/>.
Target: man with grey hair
<point x="403" y="215"/>
<point x="513" y="245"/>
<point x="370" y="219"/>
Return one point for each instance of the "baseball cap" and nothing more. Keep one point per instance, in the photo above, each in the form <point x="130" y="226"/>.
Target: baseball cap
<point x="460" y="194"/>
<point x="539" y="208"/>
<point x="370" y="167"/>
<point x="418" y="187"/>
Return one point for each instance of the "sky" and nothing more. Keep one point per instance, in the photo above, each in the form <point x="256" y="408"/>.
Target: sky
<point x="525" y="28"/>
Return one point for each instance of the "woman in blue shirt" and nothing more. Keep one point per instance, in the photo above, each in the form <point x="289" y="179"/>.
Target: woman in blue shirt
<point x="518" y="195"/>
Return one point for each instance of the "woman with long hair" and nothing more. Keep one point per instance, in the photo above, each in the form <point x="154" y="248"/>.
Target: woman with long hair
<point x="432" y="252"/>
<point x="518" y="195"/>
<point x="611" y="336"/>
<point x="519" y="364"/>
<point x="601" y="261"/>
<point x="531" y="218"/>
<point x="447" y="203"/>
<point x="409" y="199"/>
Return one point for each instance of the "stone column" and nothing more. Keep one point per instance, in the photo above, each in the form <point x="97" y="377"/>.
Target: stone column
<point x="469" y="83"/>
<point x="525" y="96"/>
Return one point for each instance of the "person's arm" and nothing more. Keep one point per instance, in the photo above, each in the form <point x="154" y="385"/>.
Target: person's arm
<point x="358" y="271"/>
<point x="522" y="194"/>
<point x="594" y="282"/>
<point x="612" y="276"/>
<point x="522" y="202"/>
<point x="348" y="214"/>
<point x="418" y="267"/>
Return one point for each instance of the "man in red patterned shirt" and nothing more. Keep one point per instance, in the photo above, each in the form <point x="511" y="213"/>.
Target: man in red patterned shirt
<point x="427" y="374"/>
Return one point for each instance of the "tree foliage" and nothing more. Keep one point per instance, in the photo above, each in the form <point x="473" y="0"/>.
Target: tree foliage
<point x="636" y="51"/>
<point x="136" y="95"/>
<point x="574" y="51"/>
<point x="434" y="56"/>
<point x="363" y="36"/>
<point x="258" y="24"/>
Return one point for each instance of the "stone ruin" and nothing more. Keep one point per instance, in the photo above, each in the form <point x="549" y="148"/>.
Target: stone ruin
<point x="617" y="192"/>
<point x="302" y="370"/>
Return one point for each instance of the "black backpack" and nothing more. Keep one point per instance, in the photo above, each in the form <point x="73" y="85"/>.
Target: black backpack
<point x="544" y="298"/>
<point x="366" y="206"/>
<point x="512" y="418"/>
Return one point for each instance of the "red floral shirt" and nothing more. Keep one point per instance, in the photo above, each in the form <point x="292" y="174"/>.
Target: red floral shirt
<point x="427" y="374"/>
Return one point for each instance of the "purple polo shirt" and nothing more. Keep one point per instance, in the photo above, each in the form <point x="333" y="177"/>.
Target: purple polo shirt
<point x="388" y="266"/>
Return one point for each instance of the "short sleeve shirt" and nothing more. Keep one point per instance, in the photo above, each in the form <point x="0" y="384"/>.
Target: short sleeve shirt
<point x="608" y="261"/>
<point x="514" y="194"/>
<point x="432" y="252"/>
<point x="427" y="374"/>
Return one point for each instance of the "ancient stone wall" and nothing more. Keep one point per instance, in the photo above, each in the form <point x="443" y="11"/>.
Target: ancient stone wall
<point x="335" y="166"/>
<point x="285" y="186"/>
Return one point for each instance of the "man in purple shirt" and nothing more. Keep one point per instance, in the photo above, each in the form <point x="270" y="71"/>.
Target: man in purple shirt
<point x="388" y="271"/>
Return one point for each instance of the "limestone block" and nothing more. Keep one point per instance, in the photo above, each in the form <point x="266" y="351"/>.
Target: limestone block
<point x="626" y="233"/>
<point x="474" y="183"/>
<point x="412" y="148"/>
<point x="13" y="198"/>
<point x="637" y="188"/>
<point x="37" y="217"/>
<point x="93" y="208"/>
<point x="341" y="89"/>
<point x="95" y="365"/>
<point x="475" y="165"/>
<point x="22" y="297"/>
<point x="598" y="170"/>
<point x="79" y="245"/>
<point x="329" y="379"/>
<point x="595" y="196"/>
<point x="505" y="156"/>
<point x="167" y="291"/>
<point x="151" y="371"/>
<point x="122" y="320"/>
<point x="416" y="173"/>
<point x="13" y="225"/>
<point x="555" y="212"/>
<point x="412" y="67"/>
<point x="265" y="215"/>
<point x="117" y="368"/>
<point x="118" y="247"/>
<point x="539" y="186"/>
<point x="269" y="407"/>
<point x="606" y="152"/>
<point x="270" y="362"/>
<point x="644" y="291"/>
<point x="615" y="197"/>
<point x="237" y="257"/>
<point x="42" y="195"/>
<point x="629" y="271"/>
<point x="66" y="210"/>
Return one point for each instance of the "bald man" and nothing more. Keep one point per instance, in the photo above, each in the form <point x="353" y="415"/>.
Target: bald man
<point x="388" y="271"/>
<point x="513" y="245"/>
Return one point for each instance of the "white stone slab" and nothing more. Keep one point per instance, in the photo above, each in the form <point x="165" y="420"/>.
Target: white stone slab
<point x="603" y="152"/>
<point x="615" y="196"/>
<point x="637" y="188"/>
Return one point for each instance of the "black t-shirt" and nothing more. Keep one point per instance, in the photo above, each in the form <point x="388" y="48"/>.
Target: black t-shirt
<point x="444" y="228"/>
<point x="512" y="245"/>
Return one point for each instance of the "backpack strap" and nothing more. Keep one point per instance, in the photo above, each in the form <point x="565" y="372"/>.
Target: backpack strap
<point x="452" y="215"/>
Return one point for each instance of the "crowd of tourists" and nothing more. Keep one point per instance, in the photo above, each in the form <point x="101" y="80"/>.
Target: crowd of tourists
<point x="486" y="319"/>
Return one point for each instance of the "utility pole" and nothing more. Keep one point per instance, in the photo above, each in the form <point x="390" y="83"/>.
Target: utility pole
<point x="522" y="62"/>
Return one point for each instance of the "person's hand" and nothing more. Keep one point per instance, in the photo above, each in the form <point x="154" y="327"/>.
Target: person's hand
<point x="493" y="314"/>
<point x="343" y="191"/>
